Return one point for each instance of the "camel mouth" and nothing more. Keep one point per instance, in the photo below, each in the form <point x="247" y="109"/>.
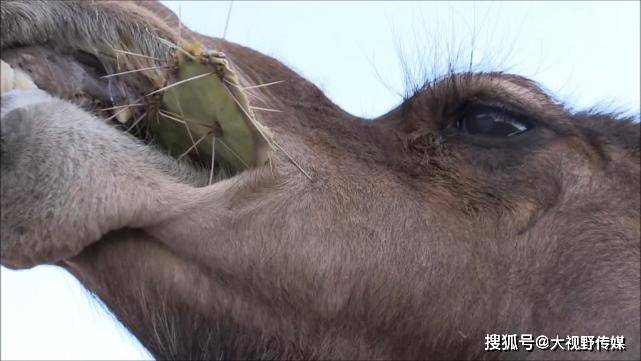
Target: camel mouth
<point x="194" y="105"/>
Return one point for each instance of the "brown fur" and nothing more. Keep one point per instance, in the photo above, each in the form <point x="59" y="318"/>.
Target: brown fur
<point x="411" y="241"/>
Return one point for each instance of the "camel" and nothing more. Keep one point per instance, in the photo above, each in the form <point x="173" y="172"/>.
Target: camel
<point x="478" y="206"/>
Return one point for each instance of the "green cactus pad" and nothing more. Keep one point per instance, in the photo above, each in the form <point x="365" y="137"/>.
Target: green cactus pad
<point x="204" y="103"/>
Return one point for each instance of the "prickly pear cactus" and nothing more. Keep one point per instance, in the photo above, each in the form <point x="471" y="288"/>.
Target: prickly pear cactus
<point x="204" y="112"/>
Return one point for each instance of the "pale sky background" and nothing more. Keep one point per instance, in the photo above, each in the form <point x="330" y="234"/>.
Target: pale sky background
<point x="585" y="53"/>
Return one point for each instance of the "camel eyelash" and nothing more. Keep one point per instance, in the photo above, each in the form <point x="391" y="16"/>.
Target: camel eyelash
<point x="464" y="104"/>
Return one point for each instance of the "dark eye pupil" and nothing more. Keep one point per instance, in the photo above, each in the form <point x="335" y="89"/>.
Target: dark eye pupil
<point x="490" y="123"/>
<point x="479" y="123"/>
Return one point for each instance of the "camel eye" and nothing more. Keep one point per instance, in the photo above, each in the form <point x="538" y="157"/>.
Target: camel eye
<point x="491" y="122"/>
